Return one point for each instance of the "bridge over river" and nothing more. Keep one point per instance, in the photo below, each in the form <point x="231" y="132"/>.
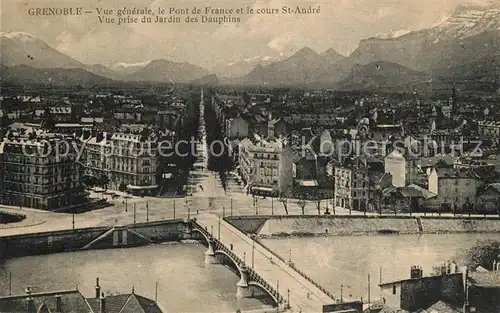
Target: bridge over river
<point x="260" y="269"/>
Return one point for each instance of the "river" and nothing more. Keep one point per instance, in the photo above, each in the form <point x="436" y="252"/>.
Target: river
<point x="186" y="284"/>
<point x="347" y="261"/>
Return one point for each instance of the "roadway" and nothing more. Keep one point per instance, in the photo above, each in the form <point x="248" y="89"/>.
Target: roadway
<point x="303" y="295"/>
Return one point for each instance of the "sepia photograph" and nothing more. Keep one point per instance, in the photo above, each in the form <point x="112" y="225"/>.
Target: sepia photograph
<point x="249" y="156"/>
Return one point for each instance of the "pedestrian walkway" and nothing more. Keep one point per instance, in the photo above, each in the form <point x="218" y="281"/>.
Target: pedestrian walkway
<point x="301" y="293"/>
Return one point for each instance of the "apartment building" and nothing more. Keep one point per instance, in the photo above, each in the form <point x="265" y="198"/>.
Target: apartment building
<point x="456" y="189"/>
<point x="489" y="129"/>
<point x="126" y="159"/>
<point x="352" y="184"/>
<point x="41" y="173"/>
<point x="266" y="166"/>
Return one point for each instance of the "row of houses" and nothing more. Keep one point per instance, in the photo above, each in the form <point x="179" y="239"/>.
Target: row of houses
<point x="47" y="170"/>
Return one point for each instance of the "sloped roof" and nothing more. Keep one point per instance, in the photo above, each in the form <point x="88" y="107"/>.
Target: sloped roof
<point x="114" y="304"/>
<point x="147" y="305"/>
<point x="485" y="279"/>
<point x="72" y="302"/>
<point x="447" y="160"/>
<point x="495" y="186"/>
<point x="441" y="307"/>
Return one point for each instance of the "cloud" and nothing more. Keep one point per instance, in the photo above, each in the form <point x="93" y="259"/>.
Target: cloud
<point x="280" y="43"/>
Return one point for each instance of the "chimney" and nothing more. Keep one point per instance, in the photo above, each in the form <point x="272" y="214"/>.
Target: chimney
<point x="86" y="134"/>
<point x="102" y="304"/>
<point x="416" y="272"/>
<point x="30" y="303"/>
<point x="443" y="269"/>
<point x="97" y="288"/>
<point x="99" y="136"/>
<point x="58" y="302"/>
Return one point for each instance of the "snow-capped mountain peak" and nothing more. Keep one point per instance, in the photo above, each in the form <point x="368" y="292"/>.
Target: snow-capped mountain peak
<point x="468" y="21"/>
<point x="124" y="65"/>
<point x="20" y="36"/>
<point x="23" y="48"/>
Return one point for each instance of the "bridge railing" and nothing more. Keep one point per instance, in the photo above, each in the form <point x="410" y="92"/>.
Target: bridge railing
<point x="279" y="257"/>
<point x="329" y="294"/>
<point x="253" y="275"/>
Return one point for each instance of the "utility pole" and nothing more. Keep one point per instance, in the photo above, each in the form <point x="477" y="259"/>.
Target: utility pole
<point x="272" y="206"/>
<point x="134" y="212"/>
<point x="341" y="293"/>
<point x="147" y="212"/>
<point x="369" y="303"/>
<point x="231" y="206"/>
<point x="381" y="282"/>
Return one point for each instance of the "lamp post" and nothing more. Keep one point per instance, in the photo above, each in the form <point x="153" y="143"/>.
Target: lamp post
<point x="134" y="213"/>
<point x="231" y="206"/>
<point x="73" y="222"/>
<point x="253" y="251"/>
<point x="147" y="212"/>
<point x="288" y="299"/>
<point x="218" y="235"/>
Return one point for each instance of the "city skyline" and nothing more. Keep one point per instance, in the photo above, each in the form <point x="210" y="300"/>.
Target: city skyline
<point x="339" y="26"/>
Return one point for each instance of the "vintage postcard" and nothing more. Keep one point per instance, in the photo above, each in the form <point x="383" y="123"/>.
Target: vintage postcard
<point x="189" y="156"/>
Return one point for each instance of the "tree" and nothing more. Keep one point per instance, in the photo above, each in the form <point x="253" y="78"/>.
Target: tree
<point x="104" y="181"/>
<point x="302" y="203"/>
<point x="122" y="187"/>
<point x="89" y="181"/>
<point x="484" y="253"/>
<point x="284" y="201"/>
<point x="318" y="206"/>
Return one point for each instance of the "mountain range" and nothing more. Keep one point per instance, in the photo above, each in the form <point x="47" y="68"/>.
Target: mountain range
<point x="464" y="47"/>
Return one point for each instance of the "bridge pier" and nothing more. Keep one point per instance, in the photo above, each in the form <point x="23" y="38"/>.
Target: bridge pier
<point x="210" y="257"/>
<point x="243" y="290"/>
<point x="187" y="229"/>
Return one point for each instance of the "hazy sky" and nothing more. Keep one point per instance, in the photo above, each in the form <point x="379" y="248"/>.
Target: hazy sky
<point x="340" y="25"/>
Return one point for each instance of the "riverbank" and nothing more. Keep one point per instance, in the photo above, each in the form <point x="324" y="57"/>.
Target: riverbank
<point x="304" y="226"/>
<point x="134" y="235"/>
